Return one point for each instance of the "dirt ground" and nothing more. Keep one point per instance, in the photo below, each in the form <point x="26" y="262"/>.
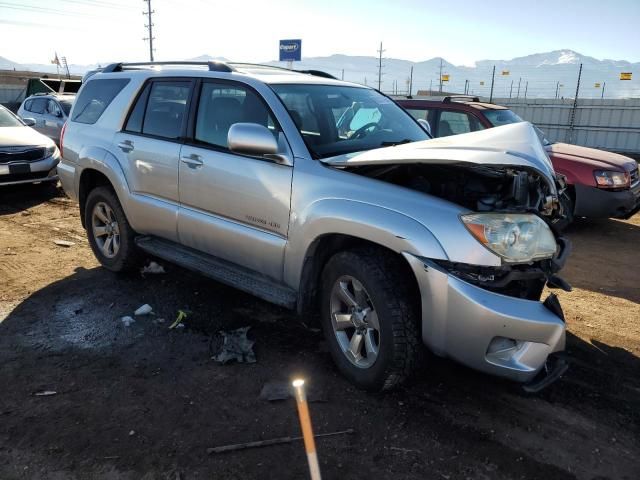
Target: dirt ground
<point x="146" y="401"/>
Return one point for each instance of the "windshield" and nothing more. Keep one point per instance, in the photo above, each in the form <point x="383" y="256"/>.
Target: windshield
<point x="497" y="118"/>
<point x="335" y="120"/>
<point x="66" y="106"/>
<point x="7" y="119"/>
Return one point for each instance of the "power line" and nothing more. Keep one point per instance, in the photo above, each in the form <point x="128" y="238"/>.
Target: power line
<point x="149" y="26"/>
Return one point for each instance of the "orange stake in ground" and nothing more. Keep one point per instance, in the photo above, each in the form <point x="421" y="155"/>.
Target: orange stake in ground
<point x="307" y="430"/>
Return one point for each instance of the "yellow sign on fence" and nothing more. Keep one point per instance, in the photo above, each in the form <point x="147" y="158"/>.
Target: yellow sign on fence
<point x="597" y="85"/>
<point x="445" y="78"/>
<point x="625" y="76"/>
<point x="481" y="83"/>
<point x="505" y="72"/>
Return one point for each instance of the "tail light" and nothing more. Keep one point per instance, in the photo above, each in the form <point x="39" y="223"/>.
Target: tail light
<point x="64" y="128"/>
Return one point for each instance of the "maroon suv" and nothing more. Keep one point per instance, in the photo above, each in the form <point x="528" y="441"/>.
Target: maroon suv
<point x="600" y="184"/>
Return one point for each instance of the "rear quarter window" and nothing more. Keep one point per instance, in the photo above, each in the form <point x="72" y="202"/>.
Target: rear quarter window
<point x="95" y="97"/>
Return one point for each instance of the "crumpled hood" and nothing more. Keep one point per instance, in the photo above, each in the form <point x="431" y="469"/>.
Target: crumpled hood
<point x="599" y="158"/>
<point x="515" y="145"/>
<point x="22" y="137"/>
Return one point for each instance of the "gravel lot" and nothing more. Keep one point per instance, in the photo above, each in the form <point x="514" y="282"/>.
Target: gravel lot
<point x="145" y="402"/>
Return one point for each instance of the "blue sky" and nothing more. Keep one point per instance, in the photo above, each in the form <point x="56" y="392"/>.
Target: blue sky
<point x="88" y="31"/>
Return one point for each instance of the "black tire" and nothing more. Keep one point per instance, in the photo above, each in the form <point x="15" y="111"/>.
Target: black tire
<point x="393" y="297"/>
<point x="127" y="257"/>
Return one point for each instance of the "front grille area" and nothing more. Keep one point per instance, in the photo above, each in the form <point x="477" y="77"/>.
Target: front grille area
<point x="634" y="177"/>
<point x="18" y="177"/>
<point x="19" y="154"/>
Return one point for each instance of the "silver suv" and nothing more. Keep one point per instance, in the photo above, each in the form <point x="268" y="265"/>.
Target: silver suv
<point x="326" y="197"/>
<point x="48" y="111"/>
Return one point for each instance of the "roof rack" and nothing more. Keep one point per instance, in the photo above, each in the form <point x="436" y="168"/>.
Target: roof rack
<point x="459" y="98"/>
<point x="212" y="65"/>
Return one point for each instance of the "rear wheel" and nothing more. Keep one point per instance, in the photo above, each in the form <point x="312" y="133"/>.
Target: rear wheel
<point x="369" y="318"/>
<point x="110" y="235"/>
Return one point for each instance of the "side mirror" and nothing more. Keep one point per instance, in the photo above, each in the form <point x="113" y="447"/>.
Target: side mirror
<point x="29" y="122"/>
<point x="425" y="124"/>
<point x="255" y="140"/>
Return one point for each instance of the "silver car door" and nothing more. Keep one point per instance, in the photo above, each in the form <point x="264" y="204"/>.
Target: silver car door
<point x="149" y="149"/>
<point x="233" y="206"/>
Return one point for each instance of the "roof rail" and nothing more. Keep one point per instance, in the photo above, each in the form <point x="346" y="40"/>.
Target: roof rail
<point x="457" y="98"/>
<point x="214" y="66"/>
<point x="317" y="73"/>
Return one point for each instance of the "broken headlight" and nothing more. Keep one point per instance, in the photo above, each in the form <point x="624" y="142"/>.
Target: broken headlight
<point x="516" y="237"/>
<point x="51" y="151"/>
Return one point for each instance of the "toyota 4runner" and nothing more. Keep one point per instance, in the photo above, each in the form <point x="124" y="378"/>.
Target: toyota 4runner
<point x="325" y="196"/>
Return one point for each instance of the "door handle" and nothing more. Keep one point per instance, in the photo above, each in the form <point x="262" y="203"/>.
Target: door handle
<point x="192" y="160"/>
<point x="126" y="145"/>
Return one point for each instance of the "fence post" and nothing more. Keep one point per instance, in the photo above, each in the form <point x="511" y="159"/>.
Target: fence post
<point x="572" y="117"/>
<point x="493" y="77"/>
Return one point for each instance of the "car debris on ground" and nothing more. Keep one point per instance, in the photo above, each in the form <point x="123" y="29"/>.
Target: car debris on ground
<point x="276" y="391"/>
<point x="153" y="268"/>
<point x="177" y="323"/>
<point x="46" y="393"/>
<point x="236" y="346"/>
<point x="64" y="243"/>
<point x="127" y="321"/>
<point x="145" y="309"/>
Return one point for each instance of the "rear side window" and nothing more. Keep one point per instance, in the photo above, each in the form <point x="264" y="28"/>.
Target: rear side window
<point x="95" y="97"/>
<point x="165" y="109"/>
<point x="455" y="123"/>
<point x="134" y="123"/>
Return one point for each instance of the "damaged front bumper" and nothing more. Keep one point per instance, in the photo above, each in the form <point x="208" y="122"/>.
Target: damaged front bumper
<point x="494" y="333"/>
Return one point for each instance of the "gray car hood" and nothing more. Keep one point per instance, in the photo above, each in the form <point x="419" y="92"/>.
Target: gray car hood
<point x="22" y="137"/>
<point x="510" y="145"/>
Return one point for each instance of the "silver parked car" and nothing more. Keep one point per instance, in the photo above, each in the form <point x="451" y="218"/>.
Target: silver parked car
<point x="326" y="197"/>
<point x="26" y="156"/>
<point x="48" y="111"/>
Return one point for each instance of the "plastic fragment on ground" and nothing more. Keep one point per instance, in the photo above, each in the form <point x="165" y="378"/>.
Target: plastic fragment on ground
<point x="143" y="310"/>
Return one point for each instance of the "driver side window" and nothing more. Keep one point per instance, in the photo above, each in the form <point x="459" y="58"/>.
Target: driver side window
<point x="53" y="108"/>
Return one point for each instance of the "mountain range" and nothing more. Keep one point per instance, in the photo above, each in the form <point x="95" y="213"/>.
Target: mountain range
<point x="538" y="75"/>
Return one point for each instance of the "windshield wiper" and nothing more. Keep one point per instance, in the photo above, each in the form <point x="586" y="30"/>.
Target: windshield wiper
<point x="393" y="144"/>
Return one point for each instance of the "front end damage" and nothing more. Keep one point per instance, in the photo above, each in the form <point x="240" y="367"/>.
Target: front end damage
<point x="489" y="317"/>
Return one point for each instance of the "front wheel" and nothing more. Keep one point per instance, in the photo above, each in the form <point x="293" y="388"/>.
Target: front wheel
<point x="110" y="235"/>
<point x="369" y="318"/>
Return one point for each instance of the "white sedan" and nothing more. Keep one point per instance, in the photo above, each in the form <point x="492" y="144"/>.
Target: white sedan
<point x="26" y="156"/>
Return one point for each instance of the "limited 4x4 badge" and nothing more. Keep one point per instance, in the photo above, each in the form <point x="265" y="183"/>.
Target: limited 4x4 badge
<point x="263" y="222"/>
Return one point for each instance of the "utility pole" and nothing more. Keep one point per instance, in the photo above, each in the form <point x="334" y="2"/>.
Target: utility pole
<point x="493" y="77"/>
<point x="430" y="86"/>
<point x="411" y="82"/>
<point x="518" y="94"/>
<point x="466" y="87"/>
<point x="440" y="75"/>
<point x="65" y="65"/>
<point x="342" y="77"/>
<point x="572" y="118"/>
<point x="149" y="26"/>
<point x="557" y="88"/>
<point x="511" y="90"/>
<point x="526" y="87"/>
<point x="603" y="85"/>
<point x="380" y="67"/>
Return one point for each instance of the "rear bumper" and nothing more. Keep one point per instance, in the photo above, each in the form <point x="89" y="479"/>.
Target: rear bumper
<point x="594" y="202"/>
<point x="39" y="171"/>
<point x="496" y="334"/>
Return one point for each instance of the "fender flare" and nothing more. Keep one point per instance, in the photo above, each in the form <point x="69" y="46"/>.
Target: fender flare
<point x="385" y="227"/>
<point x="103" y="161"/>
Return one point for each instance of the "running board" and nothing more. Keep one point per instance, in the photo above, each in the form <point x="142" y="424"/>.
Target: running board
<point x="220" y="270"/>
